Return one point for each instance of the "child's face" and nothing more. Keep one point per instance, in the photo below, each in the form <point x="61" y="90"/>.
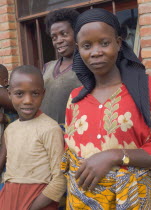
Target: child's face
<point x="98" y="46"/>
<point x="3" y="81"/>
<point x="62" y="36"/>
<point x="26" y="92"/>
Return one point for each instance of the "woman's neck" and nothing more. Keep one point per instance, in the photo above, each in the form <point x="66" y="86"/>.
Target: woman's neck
<point x="70" y="58"/>
<point x="111" y="79"/>
<point x="65" y="63"/>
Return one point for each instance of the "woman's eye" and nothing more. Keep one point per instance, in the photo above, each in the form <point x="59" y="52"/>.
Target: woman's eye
<point x="53" y="38"/>
<point x="105" y="44"/>
<point x="65" y="33"/>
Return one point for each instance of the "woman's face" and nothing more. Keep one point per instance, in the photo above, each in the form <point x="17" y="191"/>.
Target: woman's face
<point x="63" y="38"/>
<point x="98" y="46"/>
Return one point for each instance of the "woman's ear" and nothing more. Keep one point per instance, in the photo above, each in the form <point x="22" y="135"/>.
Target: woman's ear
<point x="119" y="42"/>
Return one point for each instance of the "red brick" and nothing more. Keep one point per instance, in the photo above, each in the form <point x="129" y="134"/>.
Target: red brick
<point x="148" y="71"/>
<point x="7" y="26"/>
<point x="1" y="52"/>
<point x="145" y="31"/>
<point x="146" y="53"/>
<point x="7" y="17"/>
<point x="7" y="9"/>
<point x="10" y="67"/>
<point x="147" y="63"/>
<point x="146" y="42"/>
<point x="8" y="51"/>
<point x="10" y="59"/>
<point x="145" y="19"/>
<point x="144" y="8"/>
<point x="1" y="61"/>
<point x="8" y="35"/>
<point x="143" y="1"/>
<point x="6" y="2"/>
<point x="9" y="43"/>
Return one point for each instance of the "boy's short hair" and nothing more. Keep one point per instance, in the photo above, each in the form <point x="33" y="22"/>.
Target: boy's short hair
<point x="66" y="14"/>
<point x="3" y="72"/>
<point x="26" y="69"/>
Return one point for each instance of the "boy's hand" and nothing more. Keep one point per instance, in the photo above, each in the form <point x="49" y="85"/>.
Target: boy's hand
<point x="40" y="202"/>
<point x="95" y="168"/>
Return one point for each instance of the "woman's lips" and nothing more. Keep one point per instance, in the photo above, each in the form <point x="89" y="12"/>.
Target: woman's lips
<point x="98" y="64"/>
<point x="62" y="49"/>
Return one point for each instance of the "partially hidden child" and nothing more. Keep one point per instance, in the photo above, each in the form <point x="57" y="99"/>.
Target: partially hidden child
<point x="7" y="114"/>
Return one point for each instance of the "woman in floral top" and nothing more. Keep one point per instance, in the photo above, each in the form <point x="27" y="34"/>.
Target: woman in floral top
<point x="108" y="142"/>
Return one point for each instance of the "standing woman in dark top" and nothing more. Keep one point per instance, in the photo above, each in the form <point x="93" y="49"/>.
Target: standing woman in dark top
<point x="58" y="76"/>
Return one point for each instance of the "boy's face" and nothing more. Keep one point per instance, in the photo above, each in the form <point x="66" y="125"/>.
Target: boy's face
<point x="62" y="36"/>
<point x="26" y="92"/>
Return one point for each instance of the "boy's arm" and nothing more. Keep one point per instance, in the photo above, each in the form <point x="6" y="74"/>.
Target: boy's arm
<point x="3" y="153"/>
<point x="40" y="202"/>
<point x="54" y="145"/>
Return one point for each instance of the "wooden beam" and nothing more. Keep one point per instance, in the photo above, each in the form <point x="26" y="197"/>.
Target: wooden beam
<point x="39" y="45"/>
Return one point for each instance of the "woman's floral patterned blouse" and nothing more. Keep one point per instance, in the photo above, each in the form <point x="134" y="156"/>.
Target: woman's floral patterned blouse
<point x="92" y="127"/>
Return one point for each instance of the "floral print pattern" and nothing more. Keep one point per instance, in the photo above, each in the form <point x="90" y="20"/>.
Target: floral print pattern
<point x="88" y="150"/>
<point x="113" y="143"/>
<point x="91" y="128"/>
<point x="125" y="121"/>
<point x="81" y="124"/>
<point x="69" y="102"/>
<point x="113" y="126"/>
<point x="72" y="145"/>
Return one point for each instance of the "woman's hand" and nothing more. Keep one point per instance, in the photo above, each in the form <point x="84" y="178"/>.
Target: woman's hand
<point x="40" y="202"/>
<point x="96" y="167"/>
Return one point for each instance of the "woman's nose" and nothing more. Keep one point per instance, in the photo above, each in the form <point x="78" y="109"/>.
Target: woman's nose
<point x="97" y="51"/>
<point x="59" y="39"/>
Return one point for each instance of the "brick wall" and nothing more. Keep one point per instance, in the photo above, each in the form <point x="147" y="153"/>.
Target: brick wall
<point x="144" y="8"/>
<point x="9" y="50"/>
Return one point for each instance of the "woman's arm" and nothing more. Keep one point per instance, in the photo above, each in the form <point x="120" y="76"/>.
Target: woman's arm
<point x="98" y="165"/>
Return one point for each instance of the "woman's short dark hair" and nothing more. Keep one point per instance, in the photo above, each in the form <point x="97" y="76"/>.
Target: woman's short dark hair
<point x="66" y="14"/>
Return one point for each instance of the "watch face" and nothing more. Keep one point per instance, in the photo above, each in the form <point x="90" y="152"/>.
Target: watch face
<point x="126" y="160"/>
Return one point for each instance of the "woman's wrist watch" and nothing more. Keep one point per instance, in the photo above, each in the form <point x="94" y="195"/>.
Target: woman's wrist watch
<point x="125" y="158"/>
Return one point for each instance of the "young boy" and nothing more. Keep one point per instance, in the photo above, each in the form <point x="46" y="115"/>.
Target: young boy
<point x="6" y="115"/>
<point x="33" y="145"/>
